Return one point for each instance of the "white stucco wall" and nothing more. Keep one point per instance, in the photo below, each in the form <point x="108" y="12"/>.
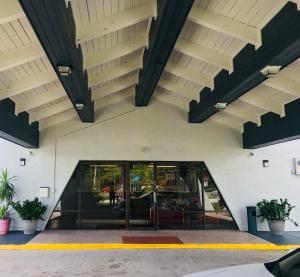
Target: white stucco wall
<point x="120" y="133"/>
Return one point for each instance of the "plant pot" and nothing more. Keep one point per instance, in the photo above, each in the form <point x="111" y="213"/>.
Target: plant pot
<point x="29" y="226"/>
<point x="277" y="227"/>
<point x="4" y="226"/>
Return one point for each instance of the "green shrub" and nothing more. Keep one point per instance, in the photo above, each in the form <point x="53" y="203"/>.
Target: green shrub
<point x="275" y="210"/>
<point x="30" y="210"/>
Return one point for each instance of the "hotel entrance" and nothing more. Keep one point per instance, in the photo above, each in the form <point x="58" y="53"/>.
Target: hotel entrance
<point x="141" y="195"/>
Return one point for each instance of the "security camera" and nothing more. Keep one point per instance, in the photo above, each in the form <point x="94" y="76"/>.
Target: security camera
<point x="221" y="106"/>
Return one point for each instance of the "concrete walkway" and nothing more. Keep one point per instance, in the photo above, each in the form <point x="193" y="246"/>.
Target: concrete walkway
<point x="115" y="236"/>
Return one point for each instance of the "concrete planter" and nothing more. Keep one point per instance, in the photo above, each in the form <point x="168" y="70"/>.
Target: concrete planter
<point x="4" y="226"/>
<point x="276" y="227"/>
<point x="29" y="226"/>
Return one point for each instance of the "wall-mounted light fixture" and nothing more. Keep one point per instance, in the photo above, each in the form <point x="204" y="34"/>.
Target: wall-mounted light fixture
<point x="44" y="192"/>
<point x="22" y="162"/>
<point x="270" y="70"/>
<point x="64" y="70"/>
<point x="221" y="106"/>
<point x="79" y="105"/>
<point x="266" y="163"/>
<point x="146" y="149"/>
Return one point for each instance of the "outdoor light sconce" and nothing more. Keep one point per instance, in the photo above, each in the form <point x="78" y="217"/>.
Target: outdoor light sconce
<point x="266" y="163"/>
<point x="79" y="105"/>
<point x="64" y="70"/>
<point x="22" y="162"/>
<point x="221" y="106"/>
<point x="44" y="192"/>
<point x="270" y="70"/>
<point x="146" y="149"/>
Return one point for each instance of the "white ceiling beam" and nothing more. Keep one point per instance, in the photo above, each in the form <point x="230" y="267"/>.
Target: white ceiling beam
<point x="50" y="111"/>
<point x="114" y="73"/>
<point x="17" y="87"/>
<point x="57" y="119"/>
<point x="263" y="102"/>
<point x="283" y="84"/>
<point x="115" y="22"/>
<point x="172" y="99"/>
<point x="114" y="87"/>
<point x="20" y="56"/>
<point x="245" y="111"/>
<point x="179" y="88"/>
<point x="37" y="101"/>
<point x="226" y="25"/>
<point x="228" y="120"/>
<point x="202" y="53"/>
<point x="10" y="10"/>
<point x="190" y="75"/>
<point x="110" y="54"/>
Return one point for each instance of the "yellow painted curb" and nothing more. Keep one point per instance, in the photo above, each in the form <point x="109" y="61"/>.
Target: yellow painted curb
<point x="77" y="246"/>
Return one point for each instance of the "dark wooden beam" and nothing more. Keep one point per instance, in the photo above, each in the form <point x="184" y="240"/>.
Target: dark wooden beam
<point x="274" y="129"/>
<point x="281" y="46"/>
<point x="164" y="31"/>
<point x="16" y="128"/>
<point x="54" y="26"/>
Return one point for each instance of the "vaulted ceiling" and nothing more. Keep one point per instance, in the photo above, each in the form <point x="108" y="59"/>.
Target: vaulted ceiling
<point x="115" y="40"/>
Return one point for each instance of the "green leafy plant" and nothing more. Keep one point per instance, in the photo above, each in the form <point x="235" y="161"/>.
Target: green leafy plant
<point x="30" y="210"/>
<point x="275" y="210"/>
<point x="7" y="193"/>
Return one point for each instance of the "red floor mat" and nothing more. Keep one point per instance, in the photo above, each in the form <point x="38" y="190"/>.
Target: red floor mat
<point x="151" y="240"/>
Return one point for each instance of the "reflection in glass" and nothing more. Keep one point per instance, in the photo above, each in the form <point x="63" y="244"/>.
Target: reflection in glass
<point x="141" y="194"/>
<point x="179" y="197"/>
<point x="187" y="197"/>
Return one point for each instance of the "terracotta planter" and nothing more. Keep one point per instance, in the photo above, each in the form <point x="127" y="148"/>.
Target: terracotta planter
<point x="277" y="227"/>
<point x="4" y="226"/>
<point x="29" y="226"/>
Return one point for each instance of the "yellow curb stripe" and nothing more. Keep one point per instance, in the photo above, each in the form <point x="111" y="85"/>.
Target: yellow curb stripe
<point x="76" y="246"/>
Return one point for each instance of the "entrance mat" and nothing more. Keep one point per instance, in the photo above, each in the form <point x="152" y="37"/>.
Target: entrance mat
<point x="151" y="240"/>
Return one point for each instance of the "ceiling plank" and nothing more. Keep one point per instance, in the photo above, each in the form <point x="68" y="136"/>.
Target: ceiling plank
<point x="53" y="22"/>
<point x="164" y="31"/>
<point x="284" y="84"/>
<point x="114" y="73"/>
<point x="114" y="87"/>
<point x="178" y="88"/>
<point x="268" y="104"/>
<point x="20" y="56"/>
<point x="17" y="87"/>
<point x="51" y="110"/>
<point x="281" y="46"/>
<point x="37" y="101"/>
<point x="226" y="25"/>
<point x="10" y="10"/>
<point x="16" y="128"/>
<point x="113" y="53"/>
<point x="115" y="22"/>
<point x="190" y="75"/>
<point x="202" y="53"/>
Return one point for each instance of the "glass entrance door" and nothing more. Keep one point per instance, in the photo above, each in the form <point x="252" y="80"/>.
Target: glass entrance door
<point x="103" y="190"/>
<point x="141" y="193"/>
<point x="180" y="196"/>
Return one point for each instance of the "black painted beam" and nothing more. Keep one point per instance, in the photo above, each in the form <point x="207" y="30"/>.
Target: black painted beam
<point x="281" y="46"/>
<point x="16" y="128"/>
<point x="54" y="26"/>
<point x="164" y="31"/>
<point x="274" y="129"/>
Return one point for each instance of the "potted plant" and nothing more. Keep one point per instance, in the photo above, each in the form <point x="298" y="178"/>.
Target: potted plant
<point x="30" y="212"/>
<point x="7" y="192"/>
<point x="276" y="212"/>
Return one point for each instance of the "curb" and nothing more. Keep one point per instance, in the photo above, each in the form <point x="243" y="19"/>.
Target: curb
<point x="77" y="246"/>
